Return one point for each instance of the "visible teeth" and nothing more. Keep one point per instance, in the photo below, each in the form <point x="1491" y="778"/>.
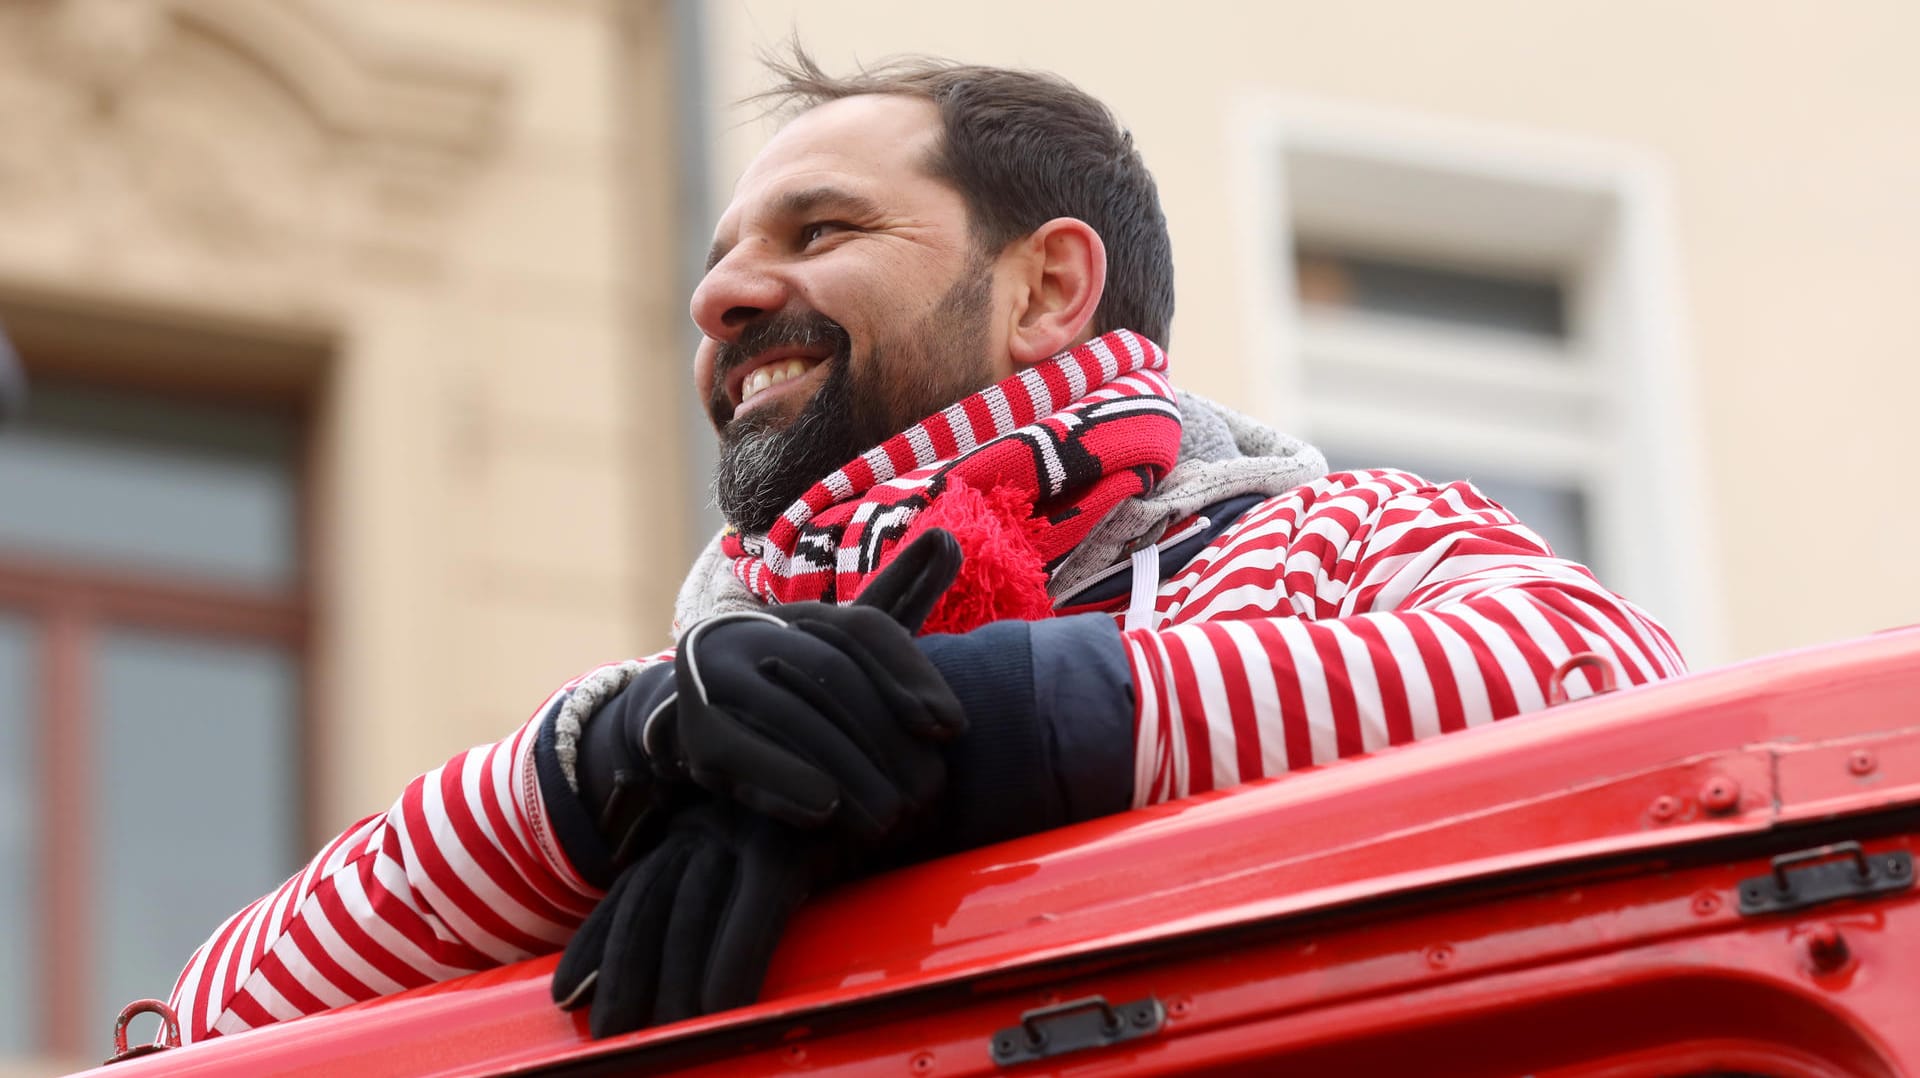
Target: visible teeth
<point x="771" y="375"/>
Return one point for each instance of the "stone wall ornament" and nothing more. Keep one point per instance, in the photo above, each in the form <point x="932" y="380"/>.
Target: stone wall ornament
<point x="103" y="43"/>
<point x="258" y="152"/>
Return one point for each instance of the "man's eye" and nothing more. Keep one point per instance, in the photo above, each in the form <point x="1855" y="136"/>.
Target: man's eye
<point x="820" y="230"/>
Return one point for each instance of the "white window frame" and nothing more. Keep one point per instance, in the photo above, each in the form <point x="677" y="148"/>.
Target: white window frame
<point x="1412" y="186"/>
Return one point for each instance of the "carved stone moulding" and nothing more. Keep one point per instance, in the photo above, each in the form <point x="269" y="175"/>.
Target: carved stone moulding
<point x="258" y="151"/>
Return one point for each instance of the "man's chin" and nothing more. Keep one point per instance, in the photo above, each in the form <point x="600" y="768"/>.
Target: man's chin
<point x="769" y="458"/>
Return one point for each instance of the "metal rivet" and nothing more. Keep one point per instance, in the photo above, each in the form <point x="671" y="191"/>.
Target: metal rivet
<point x="1826" y="948"/>
<point x="1179" y="1006"/>
<point x="1861" y="762"/>
<point x="1439" y="956"/>
<point x="923" y="1063"/>
<point x="1706" y="903"/>
<point x="1720" y="795"/>
<point x="1664" y="807"/>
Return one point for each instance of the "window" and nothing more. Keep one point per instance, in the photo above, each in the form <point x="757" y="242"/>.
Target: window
<point x="1336" y="282"/>
<point x="19" y="851"/>
<point x="152" y="627"/>
<point x="1466" y="303"/>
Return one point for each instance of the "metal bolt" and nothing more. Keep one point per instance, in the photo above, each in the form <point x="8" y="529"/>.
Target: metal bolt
<point x="1720" y="795"/>
<point x="1861" y="762"/>
<point x="1665" y="807"/>
<point x="1826" y="948"/>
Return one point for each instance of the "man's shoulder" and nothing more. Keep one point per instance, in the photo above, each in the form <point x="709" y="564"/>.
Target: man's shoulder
<point x="1360" y="504"/>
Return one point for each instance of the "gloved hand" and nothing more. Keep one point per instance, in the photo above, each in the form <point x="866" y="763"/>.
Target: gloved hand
<point x="810" y="713"/>
<point x="690" y="928"/>
<point x="625" y="799"/>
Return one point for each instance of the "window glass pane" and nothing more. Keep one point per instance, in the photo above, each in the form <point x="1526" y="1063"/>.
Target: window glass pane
<point x="1535" y="306"/>
<point x="105" y="477"/>
<point x="1557" y="511"/>
<point x="199" y="799"/>
<point x="19" y="874"/>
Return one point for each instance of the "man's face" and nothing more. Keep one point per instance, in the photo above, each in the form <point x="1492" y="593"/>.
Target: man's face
<point x="844" y="302"/>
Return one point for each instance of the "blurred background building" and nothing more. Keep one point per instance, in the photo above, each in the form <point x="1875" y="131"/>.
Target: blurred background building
<point x="361" y="415"/>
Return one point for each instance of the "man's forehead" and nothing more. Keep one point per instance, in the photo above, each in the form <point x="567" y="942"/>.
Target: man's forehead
<point x="867" y="142"/>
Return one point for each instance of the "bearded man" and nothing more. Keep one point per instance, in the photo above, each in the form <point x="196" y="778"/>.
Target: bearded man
<point x="986" y="573"/>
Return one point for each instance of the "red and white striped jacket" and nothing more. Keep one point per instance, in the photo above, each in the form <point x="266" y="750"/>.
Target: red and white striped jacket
<point x="1357" y="612"/>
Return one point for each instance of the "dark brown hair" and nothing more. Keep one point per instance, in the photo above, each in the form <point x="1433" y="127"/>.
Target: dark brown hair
<point x="1023" y="147"/>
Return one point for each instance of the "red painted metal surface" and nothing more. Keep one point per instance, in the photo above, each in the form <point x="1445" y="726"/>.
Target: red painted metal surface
<point x="1553" y="894"/>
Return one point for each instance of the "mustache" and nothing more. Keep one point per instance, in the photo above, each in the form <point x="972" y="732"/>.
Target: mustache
<point x="799" y="329"/>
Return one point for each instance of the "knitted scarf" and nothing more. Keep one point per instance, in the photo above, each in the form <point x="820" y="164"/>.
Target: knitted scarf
<point x="1020" y="472"/>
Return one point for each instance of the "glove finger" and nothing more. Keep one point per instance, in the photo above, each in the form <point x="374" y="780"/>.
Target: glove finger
<point x="769" y="884"/>
<point x="911" y="585"/>
<point x="727" y="755"/>
<point x="790" y="755"/>
<point x="697" y="908"/>
<point x="912" y="690"/>
<point x="630" y="972"/>
<point x="769" y="781"/>
<point x="862" y="758"/>
<point x="579" y="968"/>
<point x="866" y="738"/>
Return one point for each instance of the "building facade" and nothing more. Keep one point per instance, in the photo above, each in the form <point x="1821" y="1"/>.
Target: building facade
<point x="354" y="360"/>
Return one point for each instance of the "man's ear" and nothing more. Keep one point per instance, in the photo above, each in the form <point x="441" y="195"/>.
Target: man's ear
<point x="1060" y="271"/>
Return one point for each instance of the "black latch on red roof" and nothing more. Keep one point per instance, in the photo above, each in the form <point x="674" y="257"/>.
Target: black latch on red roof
<point x="1074" y="1026"/>
<point x="1824" y="874"/>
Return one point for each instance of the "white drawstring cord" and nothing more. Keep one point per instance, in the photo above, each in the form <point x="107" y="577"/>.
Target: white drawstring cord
<point x="1146" y="585"/>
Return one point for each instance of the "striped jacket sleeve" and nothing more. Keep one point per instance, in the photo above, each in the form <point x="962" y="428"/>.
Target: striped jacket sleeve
<point x="1363" y="610"/>
<point x="463" y="873"/>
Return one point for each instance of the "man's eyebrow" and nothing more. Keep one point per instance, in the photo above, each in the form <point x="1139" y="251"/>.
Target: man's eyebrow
<point x="814" y="199"/>
<point x="805" y="201"/>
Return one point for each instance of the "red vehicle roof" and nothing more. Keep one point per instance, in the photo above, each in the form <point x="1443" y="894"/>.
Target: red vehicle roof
<point x="1614" y="788"/>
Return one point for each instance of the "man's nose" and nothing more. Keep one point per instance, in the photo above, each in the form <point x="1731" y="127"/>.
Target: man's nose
<point x="737" y="290"/>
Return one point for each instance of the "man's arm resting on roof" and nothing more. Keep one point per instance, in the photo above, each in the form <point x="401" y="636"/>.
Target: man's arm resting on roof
<point x="476" y="865"/>
<point x="1360" y="611"/>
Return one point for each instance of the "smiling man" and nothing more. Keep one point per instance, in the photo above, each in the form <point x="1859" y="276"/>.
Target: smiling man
<point x="986" y="573"/>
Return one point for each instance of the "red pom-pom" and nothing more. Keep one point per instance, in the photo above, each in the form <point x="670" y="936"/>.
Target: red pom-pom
<point x="1003" y="576"/>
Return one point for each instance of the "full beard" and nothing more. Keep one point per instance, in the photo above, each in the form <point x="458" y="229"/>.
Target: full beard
<point x="767" y="461"/>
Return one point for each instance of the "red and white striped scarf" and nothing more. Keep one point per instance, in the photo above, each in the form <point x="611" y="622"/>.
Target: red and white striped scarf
<point x="1066" y="440"/>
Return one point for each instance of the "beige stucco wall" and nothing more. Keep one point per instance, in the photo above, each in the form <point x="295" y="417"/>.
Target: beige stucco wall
<point x="1782" y="132"/>
<point x="459" y="206"/>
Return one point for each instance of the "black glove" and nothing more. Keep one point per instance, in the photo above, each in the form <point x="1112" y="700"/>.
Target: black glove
<point x="690" y="928"/>
<point x="626" y="800"/>
<point x="809" y="712"/>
